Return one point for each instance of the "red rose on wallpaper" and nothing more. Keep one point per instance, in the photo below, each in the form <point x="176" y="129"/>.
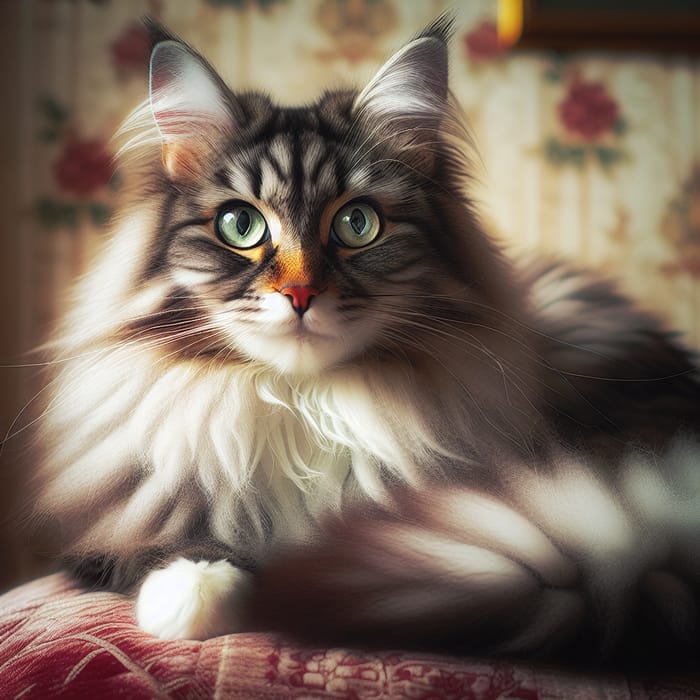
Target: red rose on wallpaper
<point x="482" y="42"/>
<point x="131" y="50"/>
<point x="83" y="167"/>
<point x="588" y="110"/>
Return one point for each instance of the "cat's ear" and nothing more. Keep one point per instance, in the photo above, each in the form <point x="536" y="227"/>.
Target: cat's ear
<point x="408" y="95"/>
<point x="190" y="106"/>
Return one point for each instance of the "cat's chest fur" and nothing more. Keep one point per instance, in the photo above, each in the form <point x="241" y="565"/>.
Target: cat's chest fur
<point x="264" y="454"/>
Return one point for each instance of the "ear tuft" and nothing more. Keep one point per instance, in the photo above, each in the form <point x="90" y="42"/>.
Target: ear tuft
<point x="157" y="32"/>
<point x="411" y="89"/>
<point x="442" y="28"/>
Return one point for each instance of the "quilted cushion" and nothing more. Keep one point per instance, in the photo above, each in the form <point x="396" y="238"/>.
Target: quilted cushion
<point x="59" y="642"/>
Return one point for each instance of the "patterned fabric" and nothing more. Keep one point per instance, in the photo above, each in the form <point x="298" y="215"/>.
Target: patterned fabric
<point x="58" y="643"/>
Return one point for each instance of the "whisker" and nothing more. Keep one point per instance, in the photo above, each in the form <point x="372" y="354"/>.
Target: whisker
<point x="531" y="354"/>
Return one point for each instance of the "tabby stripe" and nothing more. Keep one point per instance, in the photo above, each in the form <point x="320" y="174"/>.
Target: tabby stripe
<point x="189" y="222"/>
<point x="247" y="309"/>
<point x="246" y="279"/>
<point x="156" y="261"/>
<point x="405" y="265"/>
<point x="226" y="261"/>
<point x="221" y="176"/>
<point x="266" y="133"/>
<point x="177" y="295"/>
<point x="194" y="268"/>
<point x="297" y="163"/>
<point x="351" y="281"/>
<point x="276" y="165"/>
<point x="341" y="180"/>
<point x="222" y="278"/>
<point x="415" y="221"/>
<point x="174" y="309"/>
<point x="255" y="177"/>
<point x="327" y="131"/>
<point x="318" y="166"/>
<point x="244" y="110"/>
<point x="352" y="306"/>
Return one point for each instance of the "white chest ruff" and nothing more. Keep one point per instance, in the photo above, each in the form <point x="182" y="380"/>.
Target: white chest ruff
<point x="256" y="445"/>
<point x="267" y="455"/>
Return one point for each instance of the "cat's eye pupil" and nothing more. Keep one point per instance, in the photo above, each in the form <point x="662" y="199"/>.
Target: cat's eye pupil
<point x="358" y="221"/>
<point x="243" y="223"/>
<point x="241" y="226"/>
<point x="356" y="225"/>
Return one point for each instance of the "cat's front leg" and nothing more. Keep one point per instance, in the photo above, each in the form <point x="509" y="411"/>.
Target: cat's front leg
<point x="193" y="599"/>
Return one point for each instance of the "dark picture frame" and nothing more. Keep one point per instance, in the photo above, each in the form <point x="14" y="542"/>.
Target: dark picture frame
<point x="667" y="26"/>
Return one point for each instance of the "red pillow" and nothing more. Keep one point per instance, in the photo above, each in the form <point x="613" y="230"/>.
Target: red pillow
<point x="58" y="642"/>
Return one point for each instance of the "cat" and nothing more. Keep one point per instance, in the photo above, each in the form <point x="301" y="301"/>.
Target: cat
<point x="303" y="389"/>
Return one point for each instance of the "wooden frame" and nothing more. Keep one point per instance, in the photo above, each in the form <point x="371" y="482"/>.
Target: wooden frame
<point x="669" y="26"/>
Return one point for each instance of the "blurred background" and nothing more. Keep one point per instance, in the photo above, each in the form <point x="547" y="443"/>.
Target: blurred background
<point x="593" y="154"/>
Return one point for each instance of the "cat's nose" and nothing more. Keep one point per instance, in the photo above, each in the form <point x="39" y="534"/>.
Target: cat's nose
<point x="300" y="297"/>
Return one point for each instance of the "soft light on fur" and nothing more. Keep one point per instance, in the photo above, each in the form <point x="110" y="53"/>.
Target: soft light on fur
<point x="444" y="448"/>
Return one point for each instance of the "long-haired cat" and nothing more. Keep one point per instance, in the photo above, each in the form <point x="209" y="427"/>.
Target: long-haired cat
<point x="302" y="389"/>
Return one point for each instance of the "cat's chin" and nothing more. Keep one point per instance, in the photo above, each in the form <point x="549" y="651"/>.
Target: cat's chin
<point x="297" y="354"/>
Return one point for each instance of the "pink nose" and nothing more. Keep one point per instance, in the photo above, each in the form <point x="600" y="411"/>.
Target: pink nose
<point x="300" y="297"/>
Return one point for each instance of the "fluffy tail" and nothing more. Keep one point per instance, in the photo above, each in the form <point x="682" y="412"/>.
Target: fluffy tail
<point x="556" y="563"/>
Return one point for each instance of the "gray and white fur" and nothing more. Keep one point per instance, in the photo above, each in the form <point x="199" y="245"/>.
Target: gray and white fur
<point x="442" y="447"/>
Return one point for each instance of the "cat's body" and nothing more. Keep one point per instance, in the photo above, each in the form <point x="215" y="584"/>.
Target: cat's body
<point x="514" y="450"/>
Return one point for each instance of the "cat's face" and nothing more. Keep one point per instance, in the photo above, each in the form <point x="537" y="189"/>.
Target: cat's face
<point x="302" y="237"/>
<point x="297" y="244"/>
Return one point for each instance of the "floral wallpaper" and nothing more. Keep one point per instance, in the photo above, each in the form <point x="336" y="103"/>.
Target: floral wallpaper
<point x="591" y="156"/>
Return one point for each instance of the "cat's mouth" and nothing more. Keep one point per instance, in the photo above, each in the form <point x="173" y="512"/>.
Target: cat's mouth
<point x="308" y="327"/>
<point x="296" y="343"/>
<point x="302" y="332"/>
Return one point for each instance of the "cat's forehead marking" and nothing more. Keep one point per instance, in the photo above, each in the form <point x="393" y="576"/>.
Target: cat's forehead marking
<point x="312" y="154"/>
<point x="360" y="179"/>
<point x="326" y="178"/>
<point x="237" y="180"/>
<point x="289" y="170"/>
<point x="272" y="186"/>
<point x="279" y="156"/>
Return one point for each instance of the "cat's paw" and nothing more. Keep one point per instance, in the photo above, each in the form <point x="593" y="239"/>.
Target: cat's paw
<point x="192" y="600"/>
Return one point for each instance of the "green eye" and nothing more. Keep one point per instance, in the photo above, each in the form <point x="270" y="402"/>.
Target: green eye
<point x="241" y="226"/>
<point x="356" y="225"/>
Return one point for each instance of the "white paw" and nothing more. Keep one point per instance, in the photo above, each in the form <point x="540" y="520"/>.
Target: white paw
<point x="192" y="600"/>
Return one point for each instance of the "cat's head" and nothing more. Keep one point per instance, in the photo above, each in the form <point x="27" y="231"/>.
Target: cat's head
<point x="304" y="237"/>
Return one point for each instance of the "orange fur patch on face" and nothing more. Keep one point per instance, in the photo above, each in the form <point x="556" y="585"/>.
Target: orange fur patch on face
<point x="292" y="268"/>
<point x="255" y="254"/>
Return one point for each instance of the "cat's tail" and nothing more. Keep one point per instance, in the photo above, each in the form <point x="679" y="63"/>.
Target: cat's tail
<point x="555" y="562"/>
